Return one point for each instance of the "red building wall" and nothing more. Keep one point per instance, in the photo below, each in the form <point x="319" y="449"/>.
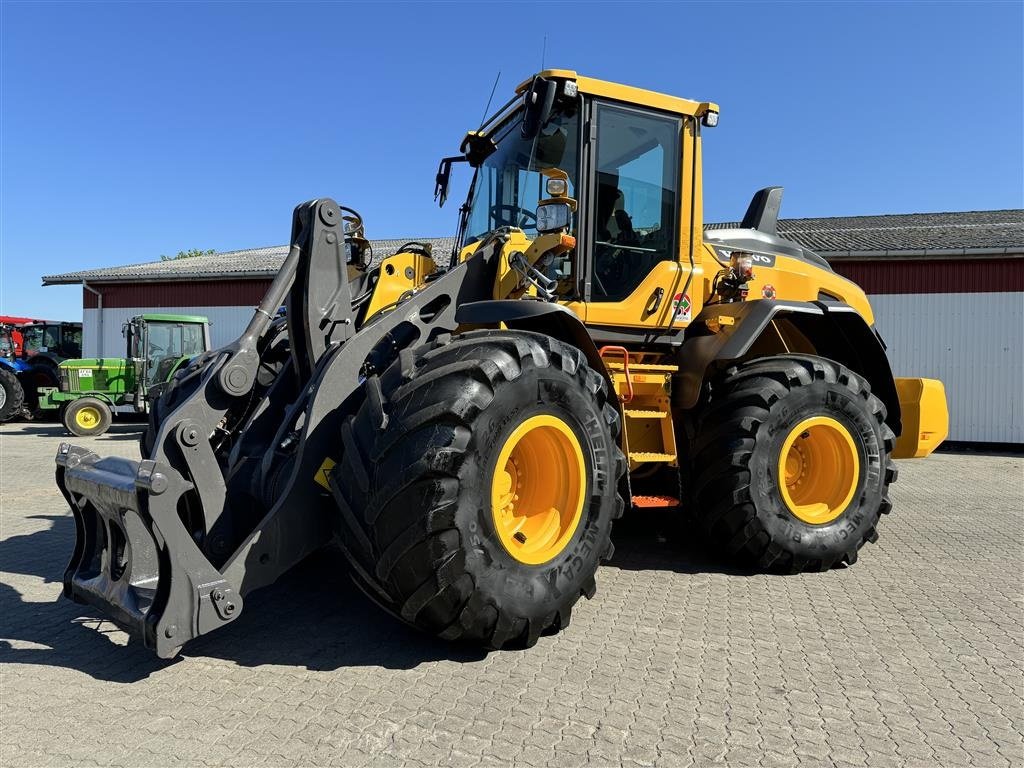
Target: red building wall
<point x="198" y="293"/>
<point x="966" y="275"/>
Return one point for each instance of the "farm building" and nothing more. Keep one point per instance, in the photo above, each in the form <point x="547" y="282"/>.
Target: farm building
<point x="947" y="291"/>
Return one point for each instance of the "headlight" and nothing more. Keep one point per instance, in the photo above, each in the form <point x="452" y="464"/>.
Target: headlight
<point x="557" y="187"/>
<point x="552" y="217"/>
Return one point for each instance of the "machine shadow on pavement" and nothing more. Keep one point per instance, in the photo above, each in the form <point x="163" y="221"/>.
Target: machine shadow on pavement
<point x="663" y="541"/>
<point x="127" y="430"/>
<point x="314" y="617"/>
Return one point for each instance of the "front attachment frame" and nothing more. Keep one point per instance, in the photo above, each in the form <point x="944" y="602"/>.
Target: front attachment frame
<point x="134" y="558"/>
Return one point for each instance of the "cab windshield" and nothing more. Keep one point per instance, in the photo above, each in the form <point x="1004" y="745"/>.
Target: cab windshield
<point x="509" y="184"/>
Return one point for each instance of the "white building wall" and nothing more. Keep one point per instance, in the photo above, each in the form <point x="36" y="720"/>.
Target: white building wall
<point x="102" y="337"/>
<point x="973" y="342"/>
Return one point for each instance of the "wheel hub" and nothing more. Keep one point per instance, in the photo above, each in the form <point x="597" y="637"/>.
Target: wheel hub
<point x="538" y="489"/>
<point x="87" y="418"/>
<point x="819" y="469"/>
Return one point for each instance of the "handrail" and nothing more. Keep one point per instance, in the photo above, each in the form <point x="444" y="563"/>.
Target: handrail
<point x="625" y="366"/>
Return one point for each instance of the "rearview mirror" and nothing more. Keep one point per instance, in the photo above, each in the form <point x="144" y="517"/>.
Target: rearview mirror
<point x="538" y="103"/>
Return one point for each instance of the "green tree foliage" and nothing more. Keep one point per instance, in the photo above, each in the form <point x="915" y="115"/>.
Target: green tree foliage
<point x="188" y="254"/>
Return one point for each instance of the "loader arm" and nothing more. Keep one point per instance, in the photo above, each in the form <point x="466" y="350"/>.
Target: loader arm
<point x="226" y="500"/>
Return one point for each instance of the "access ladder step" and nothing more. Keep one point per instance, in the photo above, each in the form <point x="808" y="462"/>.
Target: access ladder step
<point x="642" y="413"/>
<point x="652" y="502"/>
<point x="646" y="456"/>
<point x="643" y="367"/>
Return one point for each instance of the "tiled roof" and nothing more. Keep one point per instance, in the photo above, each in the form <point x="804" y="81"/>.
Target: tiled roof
<point x="257" y="263"/>
<point x="912" y="234"/>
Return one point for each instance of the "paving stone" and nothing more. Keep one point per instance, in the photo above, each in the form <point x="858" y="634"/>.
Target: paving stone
<point x="914" y="657"/>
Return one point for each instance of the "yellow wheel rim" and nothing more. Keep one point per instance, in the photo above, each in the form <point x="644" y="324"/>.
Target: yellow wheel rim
<point x="538" y="489"/>
<point x="88" y="417"/>
<point x="819" y="466"/>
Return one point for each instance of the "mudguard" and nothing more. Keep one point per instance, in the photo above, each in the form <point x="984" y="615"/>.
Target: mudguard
<point x="540" y="317"/>
<point x="837" y="331"/>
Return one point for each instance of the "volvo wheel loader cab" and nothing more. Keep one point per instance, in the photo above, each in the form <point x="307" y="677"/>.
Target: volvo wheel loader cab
<point x="157" y="346"/>
<point x="467" y="427"/>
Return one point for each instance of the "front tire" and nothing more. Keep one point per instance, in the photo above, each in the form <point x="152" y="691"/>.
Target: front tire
<point x="87" y="417"/>
<point x="477" y="490"/>
<point x="792" y="463"/>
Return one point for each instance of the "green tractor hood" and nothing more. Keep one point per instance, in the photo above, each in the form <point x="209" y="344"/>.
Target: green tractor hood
<point x="110" y="375"/>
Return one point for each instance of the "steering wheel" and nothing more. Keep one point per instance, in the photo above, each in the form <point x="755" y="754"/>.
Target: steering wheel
<point x="609" y="264"/>
<point x="498" y="210"/>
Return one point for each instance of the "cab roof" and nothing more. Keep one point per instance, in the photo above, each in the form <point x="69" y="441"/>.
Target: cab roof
<point x="626" y="93"/>
<point x="162" y="318"/>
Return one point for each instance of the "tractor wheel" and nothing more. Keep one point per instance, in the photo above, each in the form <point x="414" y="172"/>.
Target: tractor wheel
<point x="12" y="395"/>
<point x="478" y="485"/>
<point x="87" y="417"/>
<point x="792" y="464"/>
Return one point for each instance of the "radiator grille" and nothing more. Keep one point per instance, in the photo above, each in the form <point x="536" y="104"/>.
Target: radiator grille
<point x="76" y="382"/>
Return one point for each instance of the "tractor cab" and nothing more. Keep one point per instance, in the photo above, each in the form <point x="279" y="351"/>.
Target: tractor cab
<point x="10" y="342"/>
<point x="158" y="344"/>
<point x="55" y="341"/>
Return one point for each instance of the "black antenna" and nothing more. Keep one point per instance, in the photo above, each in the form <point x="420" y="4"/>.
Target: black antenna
<point x="543" y="52"/>
<point x="490" y="98"/>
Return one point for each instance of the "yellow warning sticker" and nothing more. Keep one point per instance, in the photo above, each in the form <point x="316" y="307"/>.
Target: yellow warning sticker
<point x="321" y="474"/>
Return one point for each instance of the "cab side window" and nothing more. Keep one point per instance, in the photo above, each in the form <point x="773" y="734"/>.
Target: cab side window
<point x="191" y="340"/>
<point x="637" y="167"/>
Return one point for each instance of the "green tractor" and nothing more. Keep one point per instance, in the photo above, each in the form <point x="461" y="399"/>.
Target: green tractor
<point x="90" y="388"/>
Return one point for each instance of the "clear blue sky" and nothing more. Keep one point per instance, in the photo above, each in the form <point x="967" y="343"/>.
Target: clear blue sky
<point x="139" y="129"/>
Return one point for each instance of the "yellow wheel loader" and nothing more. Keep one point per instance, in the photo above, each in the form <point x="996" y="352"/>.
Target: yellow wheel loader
<point x="467" y="427"/>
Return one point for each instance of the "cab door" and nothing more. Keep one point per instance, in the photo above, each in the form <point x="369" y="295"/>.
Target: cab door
<point x="636" y="276"/>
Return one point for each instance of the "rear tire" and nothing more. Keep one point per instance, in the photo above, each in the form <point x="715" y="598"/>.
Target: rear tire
<point x="818" y="506"/>
<point x="12" y="395"/>
<point x="418" y="518"/>
<point x="87" y="417"/>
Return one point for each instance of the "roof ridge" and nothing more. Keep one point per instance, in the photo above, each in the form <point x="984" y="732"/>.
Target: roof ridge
<point x="901" y="215"/>
<point x="964" y="225"/>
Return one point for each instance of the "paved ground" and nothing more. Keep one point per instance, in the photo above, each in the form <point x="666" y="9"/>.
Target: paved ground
<point x="913" y="657"/>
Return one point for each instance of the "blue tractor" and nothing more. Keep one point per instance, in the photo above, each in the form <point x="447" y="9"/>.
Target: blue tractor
<point x="12" y="394"/>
